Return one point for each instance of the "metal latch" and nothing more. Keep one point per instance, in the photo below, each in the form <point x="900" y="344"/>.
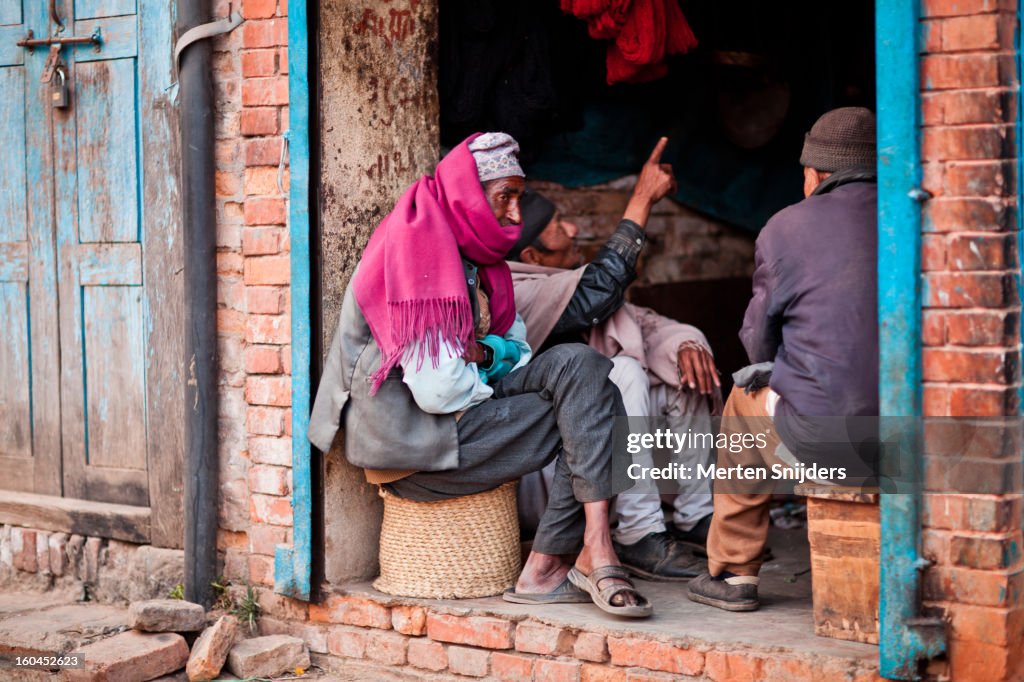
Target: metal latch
<point x="30" y="41"/>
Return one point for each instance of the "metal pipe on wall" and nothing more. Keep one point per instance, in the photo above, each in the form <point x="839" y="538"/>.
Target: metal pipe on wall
<point x="195" y="92"/>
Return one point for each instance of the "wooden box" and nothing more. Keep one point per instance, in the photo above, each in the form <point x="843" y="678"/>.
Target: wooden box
<point x="843" y="529"/>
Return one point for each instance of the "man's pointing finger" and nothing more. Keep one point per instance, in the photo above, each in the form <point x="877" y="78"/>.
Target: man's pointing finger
<point x="658" y="149"/>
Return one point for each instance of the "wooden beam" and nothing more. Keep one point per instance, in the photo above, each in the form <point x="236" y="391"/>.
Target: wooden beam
<point x="98" y="519"/>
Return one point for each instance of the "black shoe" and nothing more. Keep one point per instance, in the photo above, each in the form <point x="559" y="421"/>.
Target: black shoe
<point x="696" y="537"/>
<point x="722" y="595"/>
<point x="658" y="557"/>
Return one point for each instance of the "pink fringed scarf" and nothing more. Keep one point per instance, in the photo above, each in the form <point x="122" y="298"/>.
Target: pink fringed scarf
<point x="411" y="287"/>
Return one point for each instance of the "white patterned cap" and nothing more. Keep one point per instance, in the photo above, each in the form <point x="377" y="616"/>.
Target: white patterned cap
<point x="496" y="156"/>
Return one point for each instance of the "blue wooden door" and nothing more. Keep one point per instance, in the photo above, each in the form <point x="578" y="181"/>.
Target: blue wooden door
<point x="111" y="173"/>
<point x="30" y="447"/>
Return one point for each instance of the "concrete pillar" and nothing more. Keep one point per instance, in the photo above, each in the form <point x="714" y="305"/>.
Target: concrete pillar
<point x="380" y="132"/>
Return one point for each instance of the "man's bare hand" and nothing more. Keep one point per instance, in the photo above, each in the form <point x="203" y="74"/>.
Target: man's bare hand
<point x="697" y="369"/>
<point x="475" y="353"/>
<point x="654" y="183"/>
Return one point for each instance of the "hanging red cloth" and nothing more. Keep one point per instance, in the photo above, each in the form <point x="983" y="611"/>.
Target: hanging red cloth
<point x="642" y="32"/>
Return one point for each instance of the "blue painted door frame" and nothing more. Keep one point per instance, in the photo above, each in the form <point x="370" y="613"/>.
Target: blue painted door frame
<point x="906" y="639"/>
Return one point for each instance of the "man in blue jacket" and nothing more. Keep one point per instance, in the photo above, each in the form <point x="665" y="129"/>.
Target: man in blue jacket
<point x="814" y="314"/>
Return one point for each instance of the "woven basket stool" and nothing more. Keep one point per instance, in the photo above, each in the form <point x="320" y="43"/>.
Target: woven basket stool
<point x="452" y="549"/>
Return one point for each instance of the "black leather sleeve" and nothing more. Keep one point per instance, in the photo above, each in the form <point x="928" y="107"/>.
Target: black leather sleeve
<point x="602" y="288"/>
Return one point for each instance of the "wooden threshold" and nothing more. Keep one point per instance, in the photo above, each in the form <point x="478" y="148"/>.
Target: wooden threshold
<point x="62" y="514"/>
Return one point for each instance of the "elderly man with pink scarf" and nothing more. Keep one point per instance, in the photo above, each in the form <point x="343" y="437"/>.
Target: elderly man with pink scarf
<point x="429" y="375"/>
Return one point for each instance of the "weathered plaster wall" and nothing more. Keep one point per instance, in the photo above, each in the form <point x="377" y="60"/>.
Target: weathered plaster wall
<point x="379" y="133"/>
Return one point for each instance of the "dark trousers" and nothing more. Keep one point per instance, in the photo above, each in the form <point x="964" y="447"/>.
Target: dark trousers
<point x="561" y="405"/>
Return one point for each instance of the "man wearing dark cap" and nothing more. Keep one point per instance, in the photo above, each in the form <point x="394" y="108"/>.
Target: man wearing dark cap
<point x="814" y="316"/>
<point x="661" y="367"/>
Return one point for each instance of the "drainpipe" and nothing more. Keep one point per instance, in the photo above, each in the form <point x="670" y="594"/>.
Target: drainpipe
<point x="195" y="91"/>
<point x="907" y="637"/>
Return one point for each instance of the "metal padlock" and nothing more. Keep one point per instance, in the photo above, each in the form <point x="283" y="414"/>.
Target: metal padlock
<point x="60" y="98"/>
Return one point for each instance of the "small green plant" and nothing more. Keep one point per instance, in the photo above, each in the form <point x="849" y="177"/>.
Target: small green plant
<point x="248" y="610"/>
<point x="177" y="592"/>
<point x="222" y="597"/>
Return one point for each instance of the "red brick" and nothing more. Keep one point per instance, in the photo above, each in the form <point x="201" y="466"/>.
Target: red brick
<point x="591" y="672"/>
<point x="264" y="421"/>
<point x="985" y="552"/>
<point x="979" y="178"/>
<point x="257" y="63"/>
<point x="426" y="654"/>
<point x="264" y="539"/>
<point x="282" y="58"/>
<point x="463" y="660"/>
<point x="267" y="270"/>
<point x="968" y="290"/>
<point x="968" y="366"/>
<point x="265" y="211"/>
<point x="265" y="33"/>
<point x="557" y="671"/>
<point x="261" y="569"/>
<point x="655" y="655"/>
<point x="967" y="142"/>
<point x="1000" y="627"/>
<point x="226" y="184"/>
<point x="232" y="539"/>
<point x="225" y="153"/>
<point x="273" y="451"/>
<point x="351" y="610"/>
<point x="956" y="107"/>
<point x="268" y="390"/>
<point x="959" y="214"/>
<point x="262" y="241"/>
<point x="994" y="514"/>
<point x="345" y="641"/>
<point x="272" y="510"/>
<point x="721" y="666"/>
<point x="933" y="328"/>
<point x="409" y="620"/>
<point x="263" y="92"/>
<point x="933" y="252"/>
<point x="970" y="660"/>
<point x="986" y="328"/>
<point x="511" y="668"/>
<point x="258" y="9"/>
<point x="971" y="586"/>
<point x="263" y="360"/>
<point x="270" y="480"/>
<point x="943" y="72"/>
<point x="982" y="402"/>
<point x="386" y="647"/>
<point x="261" y="121"/>
<point x="535" y="638"/>
<point x="262" y="180"/>
<point x="977" y="32"/>
<point x="591" y="646"/>
<point x="270" y="329"/>
<point x="982" y="252"/>
<point x="229" y="263"/>
<point x="23" y="550"/>
<point x="959" y="8"/>
<point x="264" y="151"/>
<point x="230" y="322"/>
<point x="264" y="300"/>
<point x="491" y="633"/>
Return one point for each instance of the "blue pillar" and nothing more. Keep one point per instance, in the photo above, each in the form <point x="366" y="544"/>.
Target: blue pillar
<point x="906" y="638"/>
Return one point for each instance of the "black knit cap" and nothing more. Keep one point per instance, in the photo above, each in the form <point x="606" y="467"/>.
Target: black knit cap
<point x="537" y="211"/>
<point x="840" y="139"/>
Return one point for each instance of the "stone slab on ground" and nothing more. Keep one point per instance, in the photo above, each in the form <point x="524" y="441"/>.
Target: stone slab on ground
<point x="268" y="656"/>
<point x="60" y="629"/>
<point x="166" y="615"/>
<point x="131" y="657"/>
<point x="211" y="649"/>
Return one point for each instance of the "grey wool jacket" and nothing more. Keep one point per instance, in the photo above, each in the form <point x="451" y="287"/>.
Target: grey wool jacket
<point x="387" y="430"/>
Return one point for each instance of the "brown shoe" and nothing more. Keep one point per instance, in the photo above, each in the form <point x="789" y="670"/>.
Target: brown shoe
<point x="722" y="595"/>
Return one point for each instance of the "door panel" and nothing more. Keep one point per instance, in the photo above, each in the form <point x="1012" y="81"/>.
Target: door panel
<point x="29" y="389"/>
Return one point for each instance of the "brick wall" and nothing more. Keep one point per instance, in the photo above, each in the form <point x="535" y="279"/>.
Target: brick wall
<point x="254" y="327"/>
<point x="682" y="245"/>
<point x="971" y="326"/>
